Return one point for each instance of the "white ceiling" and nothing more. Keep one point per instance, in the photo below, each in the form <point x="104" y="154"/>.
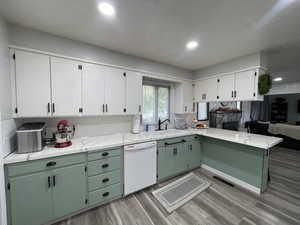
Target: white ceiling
<point x="159" y="29"/>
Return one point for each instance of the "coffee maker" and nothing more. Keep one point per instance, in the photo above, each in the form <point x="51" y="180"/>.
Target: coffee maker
<point x="65" y="132"/>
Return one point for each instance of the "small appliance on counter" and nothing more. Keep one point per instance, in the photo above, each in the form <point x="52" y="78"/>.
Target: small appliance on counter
<point x="30" y="137"/>
<point x="136" y="123"/>
<point x="65" y="132"/>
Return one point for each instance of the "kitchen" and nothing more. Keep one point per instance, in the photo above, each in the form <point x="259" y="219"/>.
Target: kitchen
<point x="108" y="130"/>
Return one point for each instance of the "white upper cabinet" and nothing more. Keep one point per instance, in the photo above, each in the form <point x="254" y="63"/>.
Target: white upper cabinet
<point x="66" y="78"/>
<point x="115" y="93"/>
<point x="134" y="93"/>
<point x="245" y="85"/>
<point x="226" y="87"/>
<point x="239" y="86"/>
<point x="206" y="90"/>
<point x="32" y="83"/>
<point x="184" y="98"/>
<point x="93" y="89"/>
<point x="211" y="86"/>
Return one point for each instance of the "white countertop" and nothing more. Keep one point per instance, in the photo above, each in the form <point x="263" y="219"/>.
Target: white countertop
<point x="254" y="140"/>
<point x="85" y="144"/>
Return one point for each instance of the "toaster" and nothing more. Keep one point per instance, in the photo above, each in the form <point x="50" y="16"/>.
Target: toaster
<point x="30" y="137"/>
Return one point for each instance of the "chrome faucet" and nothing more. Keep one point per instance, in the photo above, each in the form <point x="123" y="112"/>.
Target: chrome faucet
<point x="161" y="122"/>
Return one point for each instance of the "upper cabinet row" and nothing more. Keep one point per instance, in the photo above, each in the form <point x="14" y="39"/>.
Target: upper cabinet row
<point x="240" y="86"/>
<point x="51" y="86"/>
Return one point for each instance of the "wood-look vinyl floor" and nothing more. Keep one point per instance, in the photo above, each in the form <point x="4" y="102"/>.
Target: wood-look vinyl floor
<point x="220" y="204"/>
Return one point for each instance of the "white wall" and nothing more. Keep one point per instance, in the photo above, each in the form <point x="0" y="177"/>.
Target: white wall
<point x="7" y="125"/>
<point x="34" y="39"/>
<point x="240" y="63"/>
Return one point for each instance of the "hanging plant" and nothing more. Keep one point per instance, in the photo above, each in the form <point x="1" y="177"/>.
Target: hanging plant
<point x="264" y="84"/>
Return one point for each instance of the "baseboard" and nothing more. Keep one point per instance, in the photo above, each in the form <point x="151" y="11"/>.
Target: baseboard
<point x="232" y="179"/>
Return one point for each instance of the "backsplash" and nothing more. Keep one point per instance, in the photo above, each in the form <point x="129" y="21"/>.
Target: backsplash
<point x="88" y="126"/>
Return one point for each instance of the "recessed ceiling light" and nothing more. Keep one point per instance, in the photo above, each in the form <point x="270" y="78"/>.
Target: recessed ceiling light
<point x="192" y="45"/>
<point x="277" y="79"/>
<point x="106" y="9"/>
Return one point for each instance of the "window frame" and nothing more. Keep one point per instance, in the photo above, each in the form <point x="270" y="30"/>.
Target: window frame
<point x="156" y="87"/>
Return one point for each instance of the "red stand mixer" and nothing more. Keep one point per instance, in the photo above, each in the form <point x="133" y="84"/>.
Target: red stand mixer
<point x="65" y="132"/>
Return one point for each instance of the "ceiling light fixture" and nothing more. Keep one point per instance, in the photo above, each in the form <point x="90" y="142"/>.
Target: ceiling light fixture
<point x="106" y="9"/>
<point x="277" y="79"/>
<point x="192" y="45"/>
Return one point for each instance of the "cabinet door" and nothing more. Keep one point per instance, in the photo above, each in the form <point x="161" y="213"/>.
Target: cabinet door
<point x="206" y="90"/>
<point x="164" y="161"/>
<point x="31" y="199"/>
<point x="181" y="157"/>
<point x="66" y="86"/>
<point x="211" y="87"/>
<point x="115" y="94"/>
<point x="226" y="87"/>
<point x="245" y="85"/>
<point x="69" y="189"/>
<point x="134" y="93"/>
<point x="32" y="84"/>
<point x="194" y="154"/>
<point x="93" y="89"/>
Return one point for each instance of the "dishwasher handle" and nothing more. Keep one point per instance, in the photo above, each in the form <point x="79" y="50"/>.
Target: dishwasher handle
<point x="141" y="146"/>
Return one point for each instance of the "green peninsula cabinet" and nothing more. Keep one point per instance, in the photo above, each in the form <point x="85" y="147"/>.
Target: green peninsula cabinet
<point x="244" y="165"/>
<point x="178" y="155"/>
<point x="40" y="191"/>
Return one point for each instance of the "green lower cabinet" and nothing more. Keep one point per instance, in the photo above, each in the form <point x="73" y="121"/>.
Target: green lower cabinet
<point x="178" y="157"/>
<point x="69" y="190"/>
<point x="194" y="154"/>
<point x="30" y="199"/>
<point x="164" y="165"/>
<point x="47" y="193"/>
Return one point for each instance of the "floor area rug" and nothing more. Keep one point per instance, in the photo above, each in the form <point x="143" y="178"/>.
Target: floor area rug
<point x="177" y="193"/>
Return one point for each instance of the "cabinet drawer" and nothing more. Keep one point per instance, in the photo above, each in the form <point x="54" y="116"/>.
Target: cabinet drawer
<point x="44" y="164"/>
<point x="104" y="165"/>
<point x="171" y="141"/>
<point x="192" y="138"/>
<point x="104" y="180"/>
<point x="105" y="194"/>
<point x="103" y="154"/>
<point x="177" y="140"/>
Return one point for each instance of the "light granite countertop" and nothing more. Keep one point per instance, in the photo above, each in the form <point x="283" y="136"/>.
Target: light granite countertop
<point x="86" y="144"/>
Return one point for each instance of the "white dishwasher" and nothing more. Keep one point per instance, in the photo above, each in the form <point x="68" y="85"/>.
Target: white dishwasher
<point x="139" y="166"/>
